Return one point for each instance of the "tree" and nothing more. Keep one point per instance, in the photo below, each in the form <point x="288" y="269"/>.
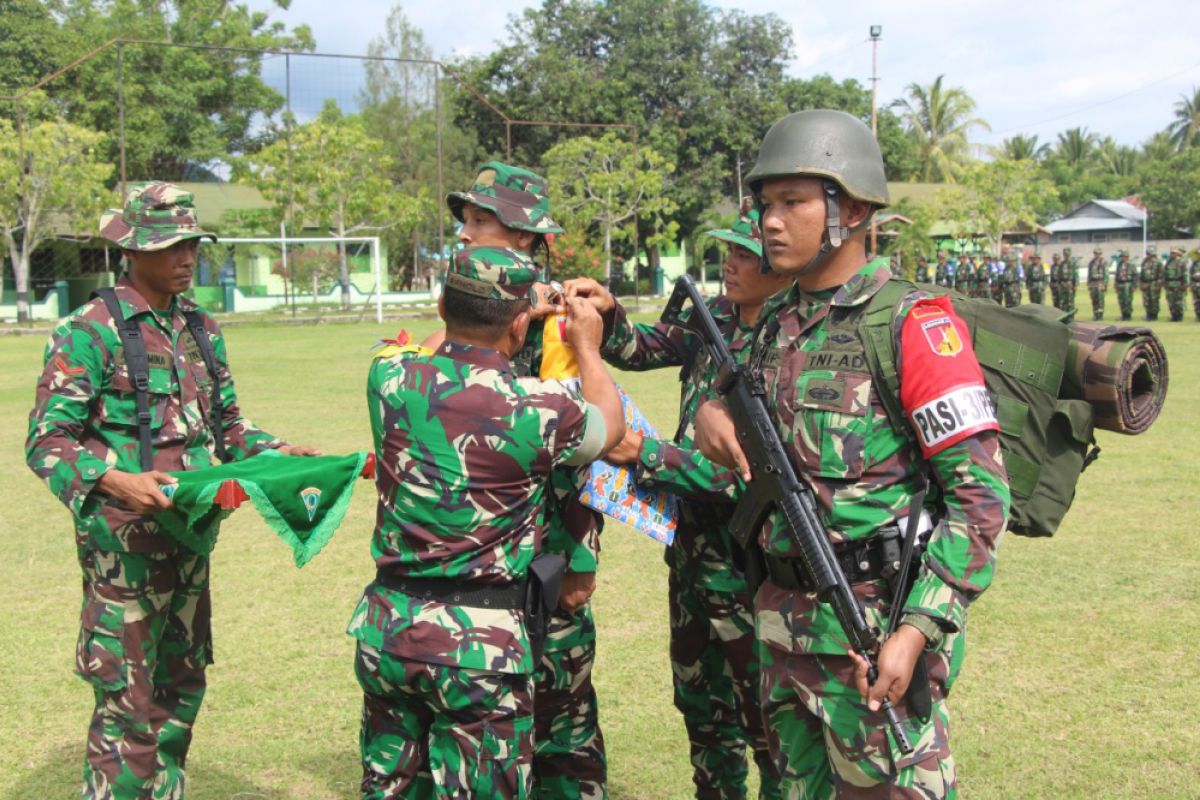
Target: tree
<point x="939" y="119"/>
<point x="1171" y="191"/>
<point x="335" y="179"/>
<point x="51" y="177"/>
<point x="598" y="182"/>
<point x="1185" y="128"/>
<point x="996" y="197"/>
<point x="1075" y="148"/>
<point x="1022" y="147"/>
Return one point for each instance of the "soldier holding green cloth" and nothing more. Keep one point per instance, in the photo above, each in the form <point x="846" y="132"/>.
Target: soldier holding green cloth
<point x="464" y="450"/>
<point x="145" y="636"/>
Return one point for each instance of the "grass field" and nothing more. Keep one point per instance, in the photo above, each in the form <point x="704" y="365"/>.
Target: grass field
<point x="1081" y="680"/>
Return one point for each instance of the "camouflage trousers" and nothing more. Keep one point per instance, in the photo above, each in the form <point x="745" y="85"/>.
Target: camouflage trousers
<point x="715" y="671"/>
<point x="1097" y="295"/>
<point x="1037" y="294"/>
<point x="1175" y="296"/>
<point x="1125" y="300"/>
<point x="568" y="753"/>
<point x="827" y="744"/>
<point x="1012" y="297"/>
<point x="1150" y="300"/>
<point x="433" y="731"/>
<point x="144" y="641"/>
<point x="1196" y="300"/>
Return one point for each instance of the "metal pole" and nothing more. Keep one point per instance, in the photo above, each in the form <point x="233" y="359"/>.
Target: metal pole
<point x="875" y="31"/>
<point x="441" y="191"/>
<point x="378" y="268"/>
<point x="636" y="198"/>
<point x="287" y="273"/>
<point x="287" y="212"/>
<point x="121" y="114"/>
<point x="507" y="140"/>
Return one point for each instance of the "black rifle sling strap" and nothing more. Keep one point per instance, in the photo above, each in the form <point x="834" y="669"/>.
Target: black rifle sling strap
<point x="138" y="364"/>
<point x="216" y="421"/>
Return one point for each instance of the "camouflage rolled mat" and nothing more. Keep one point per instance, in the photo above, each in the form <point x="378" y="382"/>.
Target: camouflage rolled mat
<point x="1120" y="371"/>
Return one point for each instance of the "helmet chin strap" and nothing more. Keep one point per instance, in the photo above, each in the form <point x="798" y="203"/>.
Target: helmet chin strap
<point x="834" y="235"/>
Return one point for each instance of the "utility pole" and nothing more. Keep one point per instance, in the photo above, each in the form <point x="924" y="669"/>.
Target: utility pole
<point x="876" y="30"/>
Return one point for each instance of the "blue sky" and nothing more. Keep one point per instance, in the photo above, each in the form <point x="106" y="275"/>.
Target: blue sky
<point x="1112" y="66"/>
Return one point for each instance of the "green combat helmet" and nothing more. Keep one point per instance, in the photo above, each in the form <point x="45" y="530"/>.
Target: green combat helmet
<point x="493" y="273"/>
<point x="1152" y="250"/>
<point x="745" y="231"/>
<point x="1097" y="251"/>
<point x="833" y="146"/>
<point x="518" y="197"/>
<point x="156" y="215"/>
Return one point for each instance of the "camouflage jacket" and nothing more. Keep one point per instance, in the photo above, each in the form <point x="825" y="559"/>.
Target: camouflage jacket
<point x="1124" y="271"/>
<point x="1097" y="273"/>
<point x="1194" y="271"/>
<point x="1151" y="272"/>
<point x="702" y="548"/>
<point x="464" y="449"/>
<point x="1174" y="274"/>
<point x="864" y="474"/>
<point x="1035" y="275"/>
<point x="84" y="420"/>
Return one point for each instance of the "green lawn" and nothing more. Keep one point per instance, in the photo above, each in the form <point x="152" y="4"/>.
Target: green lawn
<point x="1081" y="681"/>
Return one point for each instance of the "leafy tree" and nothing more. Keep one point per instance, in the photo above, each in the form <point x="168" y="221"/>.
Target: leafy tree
<point x="335" y="178"/>
<point x="1075" y="147"/>
<point x="597" y="182"/>
<point x="939" y="119"/>
<point x="1022" y="147"/>
<point x="914" y="239"/>
<point x="996" y="197"/>
<point x="29" y="43"/>
<point x="573" y="256"/>
<point x="1117" y="159"/>
<point x="1185" y="128"/>
<point x="1171" y="191"/>
<point x="51" y="175"/>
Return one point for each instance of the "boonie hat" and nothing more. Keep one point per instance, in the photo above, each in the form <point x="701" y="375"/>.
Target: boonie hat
<point x="156" y="215"/>
<point x="519" y="198"/>
<point x="744" y="231"/>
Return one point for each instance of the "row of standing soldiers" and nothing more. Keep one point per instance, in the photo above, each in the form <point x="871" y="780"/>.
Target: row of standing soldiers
<point x="1001" y="280"/>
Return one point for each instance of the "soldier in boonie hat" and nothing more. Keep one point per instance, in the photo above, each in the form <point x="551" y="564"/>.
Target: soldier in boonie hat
<point x="519" y="198"/>
<point x="156" y="216"/>
<point x="745" y="231"/>
<point x="493" y="273"/>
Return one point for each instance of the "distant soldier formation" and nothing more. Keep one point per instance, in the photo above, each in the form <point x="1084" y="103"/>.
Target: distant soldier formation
<point x="978" y="274"/>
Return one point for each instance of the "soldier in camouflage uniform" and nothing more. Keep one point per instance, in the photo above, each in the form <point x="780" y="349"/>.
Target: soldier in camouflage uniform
<point x="714" y="663"/>
<point x="923" y="273"/>
<point x="943" y="271"/>
<point x="1124" y="280"/>
<point x="1150" y="279"/>
<point x="145" y="636"/>
<point x="964" y="276"/>
<point x="1035" y="280"/>
<point x="1010" y="281"/>
<point x="1175" y="278"/>
<point x="984" y="275"/>
<point x="1068" y="280"/>
<point x="1194" y="280"/>
<point x="510" y="207"/>
<point x="1056" y="280"/>
<point x="1097" y="282"/>
<point x="464" y="448"/>
<point x="822" y="717"/>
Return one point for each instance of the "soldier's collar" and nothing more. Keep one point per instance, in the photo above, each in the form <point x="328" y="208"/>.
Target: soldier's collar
<point x="482" y="357"/>
<point x="863" y="284"/>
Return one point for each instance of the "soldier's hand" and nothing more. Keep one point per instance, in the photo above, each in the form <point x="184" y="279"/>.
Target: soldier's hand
<point x="585" y="329"/>
<point x="548" y="299"/>
<point x="577" y="588"/>
<point x="627" y="450"/>
<point x="716" y="438"/>
<point x="299" y="450"/>
<point x="594" y="291"/>
<point x="137" y="491"/>
<point x="897" y="658"/>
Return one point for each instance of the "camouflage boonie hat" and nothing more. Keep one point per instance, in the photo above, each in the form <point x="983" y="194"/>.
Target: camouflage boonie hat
<point x="1098" y="250"/>
<point x="494" y="273"/>
<point x="744" y="231"/>
<point x="519" y="198"/>
<point x="156" y="216"/>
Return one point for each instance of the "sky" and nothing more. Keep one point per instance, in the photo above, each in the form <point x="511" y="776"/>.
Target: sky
<point x="1112" y="66"/>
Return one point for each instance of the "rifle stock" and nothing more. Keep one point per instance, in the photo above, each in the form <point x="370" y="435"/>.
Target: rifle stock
<point x="774" y="485"/>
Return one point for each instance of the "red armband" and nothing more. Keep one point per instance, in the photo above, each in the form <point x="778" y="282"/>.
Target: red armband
<point x="941" y="386"/>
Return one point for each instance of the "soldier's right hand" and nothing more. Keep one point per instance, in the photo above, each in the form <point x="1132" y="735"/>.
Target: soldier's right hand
<point x="137" y="491"/>
<point x="716" y="438"/>
<point x="594" y="291"/>
<point x="585" y="329"/>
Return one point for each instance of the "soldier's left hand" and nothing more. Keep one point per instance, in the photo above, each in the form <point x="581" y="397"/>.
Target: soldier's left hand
<point x="577" y="588"/>
<point x="299" y="450"/>
<point x="897" y="658"/>
<point x="627" y="450"/>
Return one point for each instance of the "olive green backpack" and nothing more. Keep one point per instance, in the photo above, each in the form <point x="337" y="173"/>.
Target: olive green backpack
<point x="1046" y="441"/>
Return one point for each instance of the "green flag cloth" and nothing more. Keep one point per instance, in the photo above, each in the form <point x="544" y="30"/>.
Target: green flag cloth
<point x="302" y="498"/>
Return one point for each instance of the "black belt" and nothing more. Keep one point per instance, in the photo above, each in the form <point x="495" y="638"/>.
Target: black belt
<point x="860" y="562"/>
<point x="458" y="593"/>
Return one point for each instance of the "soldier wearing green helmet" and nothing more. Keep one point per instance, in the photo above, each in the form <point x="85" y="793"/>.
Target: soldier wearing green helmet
<point x="1124" y="280"/>
<point x="818" y="180"/>
<point x="1150" y="279"/>
<point x="509" y="206"/>
<point x="1097" y="282"/>
<point x="1175" y="282"/>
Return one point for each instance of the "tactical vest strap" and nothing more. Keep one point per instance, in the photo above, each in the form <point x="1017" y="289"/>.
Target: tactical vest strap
<point x="139" y="372"/>
<point x="216" y="421"/>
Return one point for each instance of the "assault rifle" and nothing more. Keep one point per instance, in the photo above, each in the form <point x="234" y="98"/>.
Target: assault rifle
<point x="774" y="485"/>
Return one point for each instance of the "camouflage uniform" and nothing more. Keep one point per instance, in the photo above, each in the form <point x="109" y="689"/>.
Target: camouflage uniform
<point x="1150" y="279"/>
<point x="145" y="636"/>
<point x="448" y="688"/>
<point x="983" y="278"/>
<point x="943" y="271"/>
<point x="569" y="755"/>
<point x="1056" y="280"/>
<point x="964" y="276"/>
<point x="1175" y="282"/>
<point x="1010" y="281"/>
<point x="1124" y="279"/>
<point x="1035" y="280"/>
<point x="1194" y="279"/>
<point x="1068" y="280"/>
<point x="714" y="660"/>
<point x="1097" y="282"/>
<point x="923" y="273"/>
<point x="864" y="476"/>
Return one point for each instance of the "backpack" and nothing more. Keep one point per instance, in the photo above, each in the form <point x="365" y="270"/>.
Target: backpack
<point x="1047" y="441"/>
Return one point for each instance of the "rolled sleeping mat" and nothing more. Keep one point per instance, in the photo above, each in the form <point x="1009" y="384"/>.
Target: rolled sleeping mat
<point x="1120" y="370"/>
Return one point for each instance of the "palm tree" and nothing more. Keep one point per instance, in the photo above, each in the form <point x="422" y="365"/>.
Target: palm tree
<point x="1185" y="130"/>
<point x="938" y="119"/>
<point x="1118" y="159"/>
<point x="1075" y="147"/>
<point x="1022" y="148"/>
<point x="1158" y="147"/>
